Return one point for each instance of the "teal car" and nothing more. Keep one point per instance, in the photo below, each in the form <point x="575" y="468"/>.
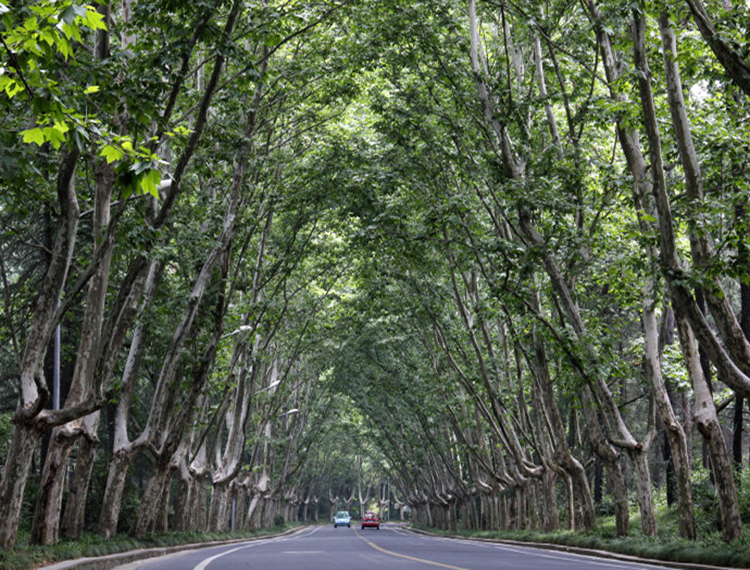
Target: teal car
<point x="342" y="518"/>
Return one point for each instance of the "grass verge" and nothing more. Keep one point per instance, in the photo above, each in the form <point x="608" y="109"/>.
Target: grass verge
<point x="710" y="550"/>
<point x="27" y="556"/>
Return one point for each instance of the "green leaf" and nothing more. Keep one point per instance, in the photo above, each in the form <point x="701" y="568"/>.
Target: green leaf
<point x="33" y="136"/>
<point x="69" y="14"/>
<point x="13" y="87"/>
<point x="30" y="24"/>
<point x="94" y="19"/>
<point x="56" y="134"/>
<point x="91" y="89"/>
<point x="149" y="182"/>
<point x="111" y="153"/>
<point x="48" y="37"/>
<point x="63" y="46"/>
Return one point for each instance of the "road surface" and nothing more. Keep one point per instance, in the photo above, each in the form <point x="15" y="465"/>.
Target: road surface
<point x="391" y="547"/>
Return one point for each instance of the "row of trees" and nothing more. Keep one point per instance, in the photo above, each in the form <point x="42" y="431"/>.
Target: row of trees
<point x="475" y="257"/>
<point x="560" y="283"/>
<point x="158" y="214"/>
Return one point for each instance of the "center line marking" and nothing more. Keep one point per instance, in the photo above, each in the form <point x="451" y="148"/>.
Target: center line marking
<point x="412" y="558"/>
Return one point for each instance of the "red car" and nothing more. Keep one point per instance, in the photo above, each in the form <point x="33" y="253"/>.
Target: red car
<point x="371" y="520"/>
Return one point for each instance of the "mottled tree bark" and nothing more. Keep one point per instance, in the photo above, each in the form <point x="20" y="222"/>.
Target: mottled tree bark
<point x="30" y="421"/>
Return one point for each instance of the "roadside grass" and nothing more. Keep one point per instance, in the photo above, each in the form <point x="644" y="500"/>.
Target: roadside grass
<point x="27" y="556"/>
<point x="709" y="549"/>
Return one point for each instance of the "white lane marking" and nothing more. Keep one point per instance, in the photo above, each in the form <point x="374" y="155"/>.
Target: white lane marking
<point x="589" y="558"/>
<point x="207" y="561"/>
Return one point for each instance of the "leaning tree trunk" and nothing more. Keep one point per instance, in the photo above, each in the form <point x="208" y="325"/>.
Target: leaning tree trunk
<point x="610" y="460"/>
<point x="729" y="58"/>
<point x="75" y="508"/>
<point x="708" y="425"/>
<point x="151" y="499"/>
<point x="113" y="492"/>
<point x="579" y="491"/>
<point x="642" y="189"/>
<point x="674" y="432"/>
<point x="705" y="414"/>
<point x="28" y="426"/>
<point x="221" y="498"/>
<point x="21" y="450"/>
<point x="83" y="386"/>
<point x="46" y="523"/>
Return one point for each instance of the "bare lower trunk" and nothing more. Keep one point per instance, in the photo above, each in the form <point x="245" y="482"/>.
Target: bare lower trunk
<point x="194" y="505"/>
<point x="151" y="500"/>
<point x="75" y="508"/>
<point x="161" y="522"/>
<point x="254" y="511"/>
<point x="521" y="521"/>
<point x="267" y="513"/>
<point x="220" y="500"/>
<point x="23" y="442"/>
<point x="610" y="460"/>
<point x="241" y="499"/>
<point x="33" y="393"/>
<point x="645" y="497"/>
<point x="46" y="526"/>
<point x="110" y="512"/>
<point x="551" y="516"/>
<point x="708" y="425"/>
<point x="673" y="429"/>
<point x="184" y="503"/>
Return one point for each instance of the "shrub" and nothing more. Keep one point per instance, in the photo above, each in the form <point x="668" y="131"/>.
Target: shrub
<point x="705" y="501"/>
<point x="742" y="476"/>
<point x="5" y="429"/>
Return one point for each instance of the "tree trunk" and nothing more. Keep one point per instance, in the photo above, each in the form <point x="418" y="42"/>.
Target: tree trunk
<point x="112" y="500"/>
<point x="46" y="523"/>
<point x="184" y="502"/>
<point x="708" y="424"/>
<point x="83" y="386"/>
<point x="739" y="404"/>
<point x="75" y="508"/>
<point x="161" y="523"/>
<point x="151" y="500"/>
<point x="23" y="443"/>
<point x="241" y="499"/>
<point x="220" y="501"/>
<point x="737" y="68"/>
<point x="610" y="459"/>
<point x="33" y="392"/>
<point x="639" y="459"/>
<point x="672" y="428"/>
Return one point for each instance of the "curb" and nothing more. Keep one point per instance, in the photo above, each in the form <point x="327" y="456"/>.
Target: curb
<point x="584" y="551"/>
<point x="110" y="561"/>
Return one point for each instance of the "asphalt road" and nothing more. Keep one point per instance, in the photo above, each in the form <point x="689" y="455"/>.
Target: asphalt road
<point x="391" y="547"/>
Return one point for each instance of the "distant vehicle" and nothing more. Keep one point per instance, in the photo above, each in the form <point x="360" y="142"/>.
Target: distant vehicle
<point x="370" y="520"/>
<point x="342" y="518"/>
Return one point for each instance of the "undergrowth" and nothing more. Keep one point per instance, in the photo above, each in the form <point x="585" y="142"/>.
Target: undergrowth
<point x="709" y="550"/>
<point x="27" y="556"/>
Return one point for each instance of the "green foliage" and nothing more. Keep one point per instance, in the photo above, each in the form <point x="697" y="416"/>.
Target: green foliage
<point x="742" y="479"/>
<point x="669" y="548"/>
<point x="63" y="111"/>
<point x="707" y="520"/>
<point x="6" y="427"/>
<point x="26" y="556"/>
